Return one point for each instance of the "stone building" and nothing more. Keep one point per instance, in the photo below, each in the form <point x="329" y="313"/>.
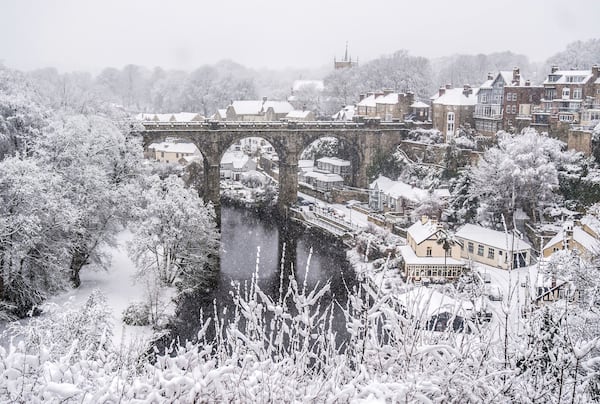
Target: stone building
<point x="520" y="101"/>
<point x="453" y="108"/>
<point x="346" y="62"/>
<point x="488" y="113"/>
<point x="258" y="110"/>
<point x="387" y="105"/>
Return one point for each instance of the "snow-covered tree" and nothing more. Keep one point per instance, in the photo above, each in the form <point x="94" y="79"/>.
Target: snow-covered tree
<point x="176" y="239"/>
<point x="521" y="172"/>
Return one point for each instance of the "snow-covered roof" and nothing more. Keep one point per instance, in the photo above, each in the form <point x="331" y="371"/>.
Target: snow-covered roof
<point x="456" y="96"/>
<point x="334" y="161"/>
<point x="391" y="99"/>
<point x="298" y="114"/>
<point x="419" y="104"/>
<point x="324" y="177"/>
<point x="411" y="258"/>
<point x="305" y="163"/>
<point x="487" y="84"/>
<point x="423" y="302"/>
<point x="317" y="84"/>
<point x="493" y="238"/>
<point x="508" y="78"/>
<point x="344" y="114"/>
<point x="592" y="222"/>
<point x="174" y="147"/>
<point x="236" y="159"/>
<point x="580" y="236"/>
<point x="399" y="189"/>
<point x="570" y="76"/>
<point x="258" y="107"/>
<point x="420" y="231"/>
<point x="368" y="101"/>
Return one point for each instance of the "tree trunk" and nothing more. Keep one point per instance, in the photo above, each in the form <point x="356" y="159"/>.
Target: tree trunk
<point x="78" y="260"/>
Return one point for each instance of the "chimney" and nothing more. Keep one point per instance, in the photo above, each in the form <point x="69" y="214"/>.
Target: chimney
<point x="441" y="91"/>
<point x="448" y="86"/>
<point x="387" y="91"/>
<point x="264" y="99"/>
<point x="554" y="69"/>
<point x="490" y="76"/>
<point x="596" y="71"/>
<point x="361" y="97"/>
<point x="527" y="83"/>
<point x="516" y="76"/>
<point x="424" y="219"/>
<point x="467" y="90"/>
<point x="370" y="93"/>
<point x="378" y="94"/>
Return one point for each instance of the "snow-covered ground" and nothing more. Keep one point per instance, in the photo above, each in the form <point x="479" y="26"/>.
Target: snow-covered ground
<point x="118" y="285"/>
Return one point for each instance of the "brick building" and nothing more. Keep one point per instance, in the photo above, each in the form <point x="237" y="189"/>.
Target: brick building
<point x="519" y="103"/>
<point x="386" y="105"/>
<point x="453" y="108"/>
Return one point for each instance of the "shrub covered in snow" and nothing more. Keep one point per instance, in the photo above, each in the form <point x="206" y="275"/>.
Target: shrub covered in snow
<point x="137" y="313"/>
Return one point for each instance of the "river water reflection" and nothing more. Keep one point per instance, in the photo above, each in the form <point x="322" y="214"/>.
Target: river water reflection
<point x="242" y="233"/>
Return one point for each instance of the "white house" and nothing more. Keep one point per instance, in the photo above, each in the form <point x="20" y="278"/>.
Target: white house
<point x="169" y="152"/>
<point x="233" y="164"/>
<point x="493" y="247"/>
<point x="344" y="114"/>
<point x="425" y="257"/>
<point x="323" y="181"/>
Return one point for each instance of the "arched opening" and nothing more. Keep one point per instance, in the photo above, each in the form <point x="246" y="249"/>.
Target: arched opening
<point x="249" y="173"/>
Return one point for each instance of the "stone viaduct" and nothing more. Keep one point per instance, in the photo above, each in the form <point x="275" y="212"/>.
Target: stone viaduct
<point x="289" y="139"/>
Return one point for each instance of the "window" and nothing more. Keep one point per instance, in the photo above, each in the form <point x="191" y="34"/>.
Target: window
<point x="514" y="97"/>
<point x="500" y="253"/>
<point x="566" y="92"/>
<point x="470" y="247"/>
<point x="162" y="154"/>
<point x="491" y="252"/>
<point x="480" y="250"/>
<point x="450" y="123"/>
<point x="176" y="155"/>
<point x="483" y="98"/>
<point x="577" y="93"/>
<point x="428" y="251"/>
<point x="514" y="109"/>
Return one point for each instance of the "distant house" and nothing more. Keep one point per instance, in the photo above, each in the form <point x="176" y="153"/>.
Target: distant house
<point x="220" y="115"/>
<point x="334" y="165"/>
<point x="234" y="164"/>
<point x="424" y="257"/>
<point x="494" y="248"/>
<point x="386" y="195"/>
<point x="344" y="114"/>
<point x="582" y="236"/>
<point x="323" y="181"/>
<point x="490" y="101"/>
<point x="168" y="152"/>
<point x="419" y="111"/>
<point x="258" y="110"/>
<point x="436" y="311"/>
<point x="386" y="105"/>
<point x="300" y="115"/>
<point x="453" y="108"/>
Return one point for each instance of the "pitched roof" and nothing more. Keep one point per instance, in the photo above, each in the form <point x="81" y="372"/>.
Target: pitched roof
<point x="419" y="104"/>
<point x="411" y="258"/>
<point x="420" y="232"/>
<point x="493" y="238"/>
<point x="456" y="96"/>
<point x="583" y="76"/>
<point x="334" y="161"/>
<point x="399" y="189"/>
<point x="297" y="113"/>
<point x="344" y="114"/>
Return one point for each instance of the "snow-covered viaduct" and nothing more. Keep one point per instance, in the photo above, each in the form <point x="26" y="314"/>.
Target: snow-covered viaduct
<point x="289" y="139"/>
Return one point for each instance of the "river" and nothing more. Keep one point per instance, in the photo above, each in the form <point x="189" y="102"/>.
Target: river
<point x="243" y="233"/>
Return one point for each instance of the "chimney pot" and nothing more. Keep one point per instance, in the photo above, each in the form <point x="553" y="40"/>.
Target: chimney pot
<point x="554" y="69"/>
<point x="490" y="76"/>
<point x="527" y="83"/>
<point x="441" y="91"/>
<point x="448" y="86"/>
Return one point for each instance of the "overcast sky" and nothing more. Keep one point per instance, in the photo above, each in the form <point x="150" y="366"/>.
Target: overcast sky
<point x="92" y="34"/>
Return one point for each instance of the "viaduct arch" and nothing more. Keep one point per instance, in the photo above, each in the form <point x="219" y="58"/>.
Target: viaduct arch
<point x="288" y="139"/>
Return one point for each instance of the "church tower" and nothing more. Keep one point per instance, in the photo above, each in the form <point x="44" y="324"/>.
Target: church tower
<point x="346" y="62"/>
